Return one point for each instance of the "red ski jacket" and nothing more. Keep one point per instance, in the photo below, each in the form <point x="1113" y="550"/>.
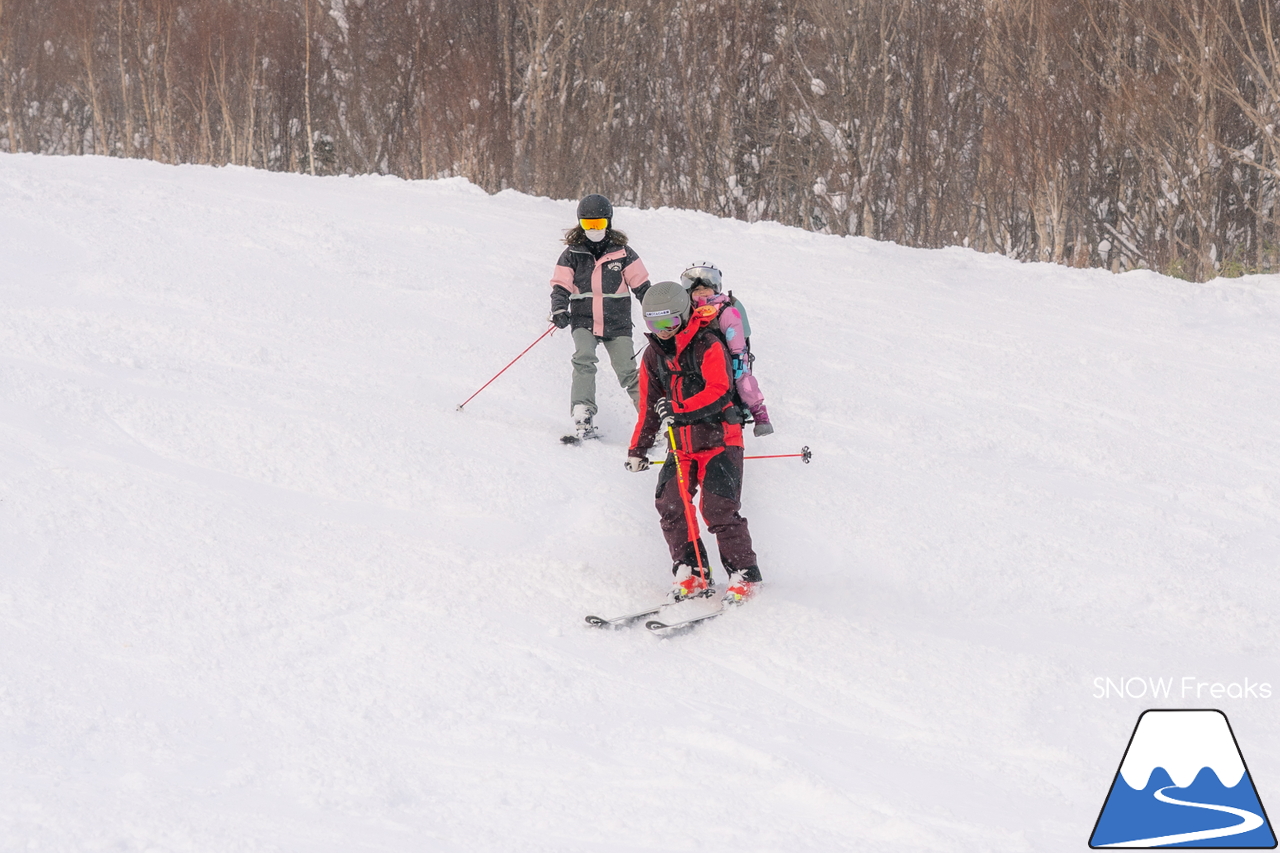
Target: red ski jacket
<point x="696" y="376"/>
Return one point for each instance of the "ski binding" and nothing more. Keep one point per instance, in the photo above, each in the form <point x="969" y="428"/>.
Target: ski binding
<point x="576" y="440"/>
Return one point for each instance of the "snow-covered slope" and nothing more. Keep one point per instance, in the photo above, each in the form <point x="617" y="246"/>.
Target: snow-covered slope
<point x="263" y="588"/>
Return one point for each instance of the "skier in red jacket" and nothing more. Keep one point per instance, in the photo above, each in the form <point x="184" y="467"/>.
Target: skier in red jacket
<point x="686" y="390"/>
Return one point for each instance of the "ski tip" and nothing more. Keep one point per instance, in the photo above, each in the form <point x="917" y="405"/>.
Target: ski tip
<point x="597" y="622"/>
<point x="655" y="625"/>
<point x="570" y="439"/>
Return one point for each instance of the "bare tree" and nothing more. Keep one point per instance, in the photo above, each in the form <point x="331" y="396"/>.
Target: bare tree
<point x="1110" y="132"/>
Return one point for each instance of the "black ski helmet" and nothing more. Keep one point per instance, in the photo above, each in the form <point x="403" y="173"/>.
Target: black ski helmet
<point x="595" y="206"/>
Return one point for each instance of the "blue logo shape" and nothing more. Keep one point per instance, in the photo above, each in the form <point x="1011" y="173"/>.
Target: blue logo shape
<point x="1183" y="783"/>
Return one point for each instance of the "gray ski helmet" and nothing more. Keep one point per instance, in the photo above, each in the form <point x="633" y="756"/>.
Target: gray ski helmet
<point x="595" y="206"/>
<point x="665" y="306"/>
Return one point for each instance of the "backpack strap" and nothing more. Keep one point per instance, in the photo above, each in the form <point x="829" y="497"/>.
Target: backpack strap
<point x="742" y="312"/>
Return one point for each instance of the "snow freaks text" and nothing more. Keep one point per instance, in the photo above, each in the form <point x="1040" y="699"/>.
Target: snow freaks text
<point x="1186" y="687"/>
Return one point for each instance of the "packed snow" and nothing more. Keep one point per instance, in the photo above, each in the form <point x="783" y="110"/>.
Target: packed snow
<point x="264" y="588"/>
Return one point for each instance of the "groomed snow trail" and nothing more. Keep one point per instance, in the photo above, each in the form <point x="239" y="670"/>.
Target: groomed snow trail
<point x="262" y="587"/>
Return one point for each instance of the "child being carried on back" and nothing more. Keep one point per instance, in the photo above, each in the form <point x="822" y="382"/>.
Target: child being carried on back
<point x="703" y="281"/>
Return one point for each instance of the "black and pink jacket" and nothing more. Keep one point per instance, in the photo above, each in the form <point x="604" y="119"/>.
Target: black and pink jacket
<point x="597" y="291"/>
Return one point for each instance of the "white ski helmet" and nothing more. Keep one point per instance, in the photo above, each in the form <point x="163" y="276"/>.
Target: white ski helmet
<point x="701" y="273"/>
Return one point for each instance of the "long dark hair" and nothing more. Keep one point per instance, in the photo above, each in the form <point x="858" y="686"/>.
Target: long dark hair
<point x="575" y="236"/>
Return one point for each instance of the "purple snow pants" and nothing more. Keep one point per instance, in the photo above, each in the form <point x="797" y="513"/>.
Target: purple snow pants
<point x="718" y="473"/>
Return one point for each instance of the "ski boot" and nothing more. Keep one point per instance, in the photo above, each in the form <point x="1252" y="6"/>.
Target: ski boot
<point x="760" y="415"/>
<point x="690" y="582"/>
<point x="583" y="428"/>
<point x="742" y="585"/>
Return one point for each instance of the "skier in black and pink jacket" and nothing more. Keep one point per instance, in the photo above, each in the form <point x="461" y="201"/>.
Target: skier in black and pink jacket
<point x="591" y="291"/>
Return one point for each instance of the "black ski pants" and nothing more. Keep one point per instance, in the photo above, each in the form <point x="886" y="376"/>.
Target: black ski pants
<point x="717" y="475"/>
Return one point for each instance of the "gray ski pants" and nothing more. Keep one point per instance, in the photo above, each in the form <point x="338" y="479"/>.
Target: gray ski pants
<point x="621" y="355"/>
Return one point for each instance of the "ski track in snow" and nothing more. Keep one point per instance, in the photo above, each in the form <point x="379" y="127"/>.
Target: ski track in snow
<point x="263" y="589"/>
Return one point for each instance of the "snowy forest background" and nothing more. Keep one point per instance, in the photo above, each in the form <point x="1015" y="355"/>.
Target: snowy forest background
<point x="1114" y="133"/>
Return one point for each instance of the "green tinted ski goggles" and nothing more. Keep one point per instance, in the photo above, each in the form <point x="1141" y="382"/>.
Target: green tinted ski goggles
<point x="662" y="321"/>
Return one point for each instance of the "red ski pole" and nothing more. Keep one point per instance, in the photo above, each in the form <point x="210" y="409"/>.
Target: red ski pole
<point x="804" y="454"/>
<point x="549" y="330"/>
<point x="690" y="514"/>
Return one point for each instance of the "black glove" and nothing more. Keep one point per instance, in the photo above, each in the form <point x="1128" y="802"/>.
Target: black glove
<point x="560" y="318"/>
<point x="665" y="411"/>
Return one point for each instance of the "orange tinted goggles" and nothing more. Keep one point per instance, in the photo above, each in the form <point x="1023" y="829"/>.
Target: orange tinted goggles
<point x="593" y="224"/>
